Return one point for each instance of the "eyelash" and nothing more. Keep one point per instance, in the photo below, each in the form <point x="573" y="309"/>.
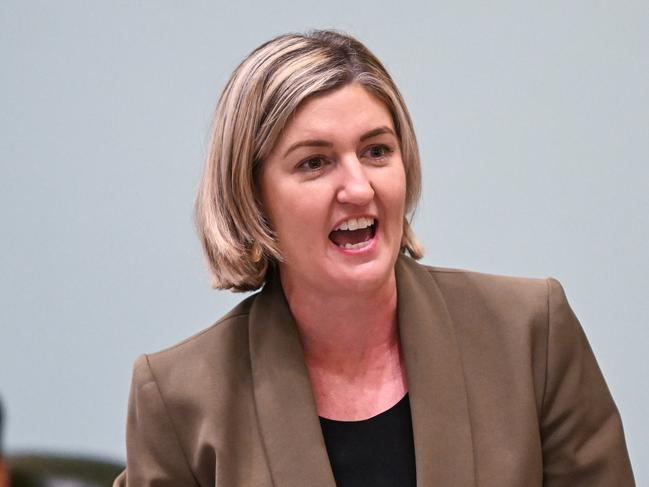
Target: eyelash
<point x="386" y="152"/>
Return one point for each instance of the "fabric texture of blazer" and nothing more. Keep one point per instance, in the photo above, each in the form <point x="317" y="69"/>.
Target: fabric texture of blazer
<point x="504" y="391"/>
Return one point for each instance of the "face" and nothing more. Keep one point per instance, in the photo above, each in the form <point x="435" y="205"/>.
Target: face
<point x="334" y="190"/>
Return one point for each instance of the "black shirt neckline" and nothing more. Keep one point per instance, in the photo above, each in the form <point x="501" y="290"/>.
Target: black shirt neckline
<point x="399" y="404"/>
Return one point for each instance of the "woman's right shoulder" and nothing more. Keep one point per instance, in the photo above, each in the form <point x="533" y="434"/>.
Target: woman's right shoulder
<point x="222" y="348"/>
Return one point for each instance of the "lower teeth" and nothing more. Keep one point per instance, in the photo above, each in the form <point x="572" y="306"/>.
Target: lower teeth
<point x="354" y="246"/>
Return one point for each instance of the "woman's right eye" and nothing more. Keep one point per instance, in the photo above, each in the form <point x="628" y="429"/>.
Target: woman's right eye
<point x="312" y="164"/>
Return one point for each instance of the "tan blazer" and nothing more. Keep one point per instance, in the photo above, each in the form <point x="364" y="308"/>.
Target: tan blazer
<point x="504" y="391"/>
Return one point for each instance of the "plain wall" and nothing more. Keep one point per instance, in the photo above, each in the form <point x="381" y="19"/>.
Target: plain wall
<point x="533" y="124"/>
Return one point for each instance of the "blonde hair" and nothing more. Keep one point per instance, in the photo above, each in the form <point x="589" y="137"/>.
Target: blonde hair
<point x="260" y="96"/>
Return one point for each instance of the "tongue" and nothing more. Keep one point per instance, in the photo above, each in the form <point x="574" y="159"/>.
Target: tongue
<point x="342" y="237"/>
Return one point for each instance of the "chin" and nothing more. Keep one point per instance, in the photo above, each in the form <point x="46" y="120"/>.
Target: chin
<point x="362" y="277"/>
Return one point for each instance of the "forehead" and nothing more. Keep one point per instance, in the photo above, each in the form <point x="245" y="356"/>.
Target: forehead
<point x="345" y="112"/>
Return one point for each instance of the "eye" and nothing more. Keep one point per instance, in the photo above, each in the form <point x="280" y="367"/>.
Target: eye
<point x="312" y="164"/>
<point x="378" y="152"/>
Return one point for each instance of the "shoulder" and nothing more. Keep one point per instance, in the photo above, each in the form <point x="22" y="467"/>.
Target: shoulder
<point x="486" y="300"/>
<point x="501" y="323"/>
<point x="456" y="283"/>
<point x="496" y="288"/>
<point x="197" y="361"/>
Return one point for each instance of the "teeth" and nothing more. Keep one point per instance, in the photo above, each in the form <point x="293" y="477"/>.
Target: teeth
<point x="356" y="246"/>
<point x="355" y="224"/>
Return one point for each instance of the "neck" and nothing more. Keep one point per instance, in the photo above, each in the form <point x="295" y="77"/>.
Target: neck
<point x="348" y="334"/>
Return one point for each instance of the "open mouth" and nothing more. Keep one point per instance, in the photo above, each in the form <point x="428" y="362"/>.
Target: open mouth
<point x="354" y="233"/>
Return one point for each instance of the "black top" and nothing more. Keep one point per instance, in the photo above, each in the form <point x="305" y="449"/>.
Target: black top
<point x="377" y="452"/>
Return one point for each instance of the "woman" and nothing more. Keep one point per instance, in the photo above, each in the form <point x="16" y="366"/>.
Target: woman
<point x="355" y="365"/>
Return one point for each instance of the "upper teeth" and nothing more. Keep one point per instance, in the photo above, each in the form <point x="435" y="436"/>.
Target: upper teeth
<point x="355" y="224"/>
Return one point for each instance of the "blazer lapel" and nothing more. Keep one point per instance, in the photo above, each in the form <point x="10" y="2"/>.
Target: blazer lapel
<point x="286" y="409"/>
<point x="284" y="402"/>
<point x="438" y="400"/>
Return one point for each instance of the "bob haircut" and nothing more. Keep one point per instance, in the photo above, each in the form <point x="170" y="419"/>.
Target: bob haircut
<point x="262" y="93"/>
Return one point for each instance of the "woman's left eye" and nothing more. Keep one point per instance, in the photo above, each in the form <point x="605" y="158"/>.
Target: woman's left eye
<point x="379" y="152"/>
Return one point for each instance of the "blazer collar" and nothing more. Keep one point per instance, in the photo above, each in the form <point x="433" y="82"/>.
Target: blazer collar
<point x="286" y="409"/>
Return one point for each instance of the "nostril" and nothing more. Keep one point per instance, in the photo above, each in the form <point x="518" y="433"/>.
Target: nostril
<point x="356" y="192"/>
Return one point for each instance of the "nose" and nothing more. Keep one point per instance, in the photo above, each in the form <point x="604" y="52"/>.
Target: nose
<point x="354" y="186"/>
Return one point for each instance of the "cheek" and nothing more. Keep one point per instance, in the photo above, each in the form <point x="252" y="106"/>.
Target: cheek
<point x="295" y="213"/>
<point x="400" y="190"/>
<point x="394" y="185"/>
<point x="278" y="199"/>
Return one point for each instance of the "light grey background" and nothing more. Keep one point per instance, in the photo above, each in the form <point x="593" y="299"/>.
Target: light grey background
<point x="533" y="122"/>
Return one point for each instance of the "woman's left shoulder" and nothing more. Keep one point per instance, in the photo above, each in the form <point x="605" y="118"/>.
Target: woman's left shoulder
<point x="481" y="304"/>
<point x="497" y="289"/>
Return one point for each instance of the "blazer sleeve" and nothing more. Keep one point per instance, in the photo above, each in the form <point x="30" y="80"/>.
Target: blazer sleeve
<point x="154" y="456"/>
<point x="581" y="428"/>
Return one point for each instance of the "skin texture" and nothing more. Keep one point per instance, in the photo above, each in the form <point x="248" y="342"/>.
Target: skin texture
<point x="344" y="302"/>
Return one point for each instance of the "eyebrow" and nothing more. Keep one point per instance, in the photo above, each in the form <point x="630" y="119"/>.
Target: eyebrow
<point x="324" y="143"/>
